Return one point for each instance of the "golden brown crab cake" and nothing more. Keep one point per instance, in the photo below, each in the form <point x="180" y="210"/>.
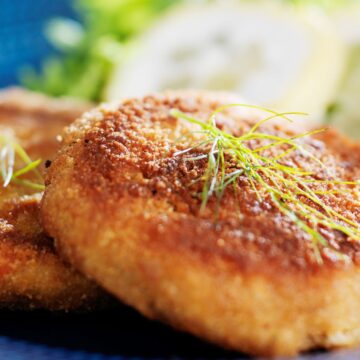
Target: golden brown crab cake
<point x="31" y="273"/>
<point x="242" y="275"/>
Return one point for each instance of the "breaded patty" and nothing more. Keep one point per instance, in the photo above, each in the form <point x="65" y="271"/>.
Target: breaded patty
<point x="31" y="273"/>
<point x="241" y="274"/>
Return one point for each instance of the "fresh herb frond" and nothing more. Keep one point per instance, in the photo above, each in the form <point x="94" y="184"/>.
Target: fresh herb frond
<point x="255" y="107"/>
<point x="7" y="159"/>
<point x="274" y="116"/>
<point x="29" y="184"/>
<point x="29" y="167"/>
<point x="260" y="158"/>
<point x="11" y="153"/>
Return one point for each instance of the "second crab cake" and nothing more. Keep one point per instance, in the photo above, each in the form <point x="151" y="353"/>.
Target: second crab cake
<point x="31" y="273"/>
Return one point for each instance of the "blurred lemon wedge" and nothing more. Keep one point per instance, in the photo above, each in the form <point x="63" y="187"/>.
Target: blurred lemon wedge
<point x="347" y="109"/>
<point x="271" y="54"/>
<point x="347" y="19"/>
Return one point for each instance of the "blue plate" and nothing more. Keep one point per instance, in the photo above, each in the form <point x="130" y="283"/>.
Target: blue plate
<point x="119" y="333"/>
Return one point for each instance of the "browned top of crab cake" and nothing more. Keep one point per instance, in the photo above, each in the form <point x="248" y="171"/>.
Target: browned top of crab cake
<point x="129" y="155"/>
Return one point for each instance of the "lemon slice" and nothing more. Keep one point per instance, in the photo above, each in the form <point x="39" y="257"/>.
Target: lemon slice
<point x="271" y="55"/>
<point x="347" y="110"/>
<point x="347" y="20"/>
<point x="347" y="114"/>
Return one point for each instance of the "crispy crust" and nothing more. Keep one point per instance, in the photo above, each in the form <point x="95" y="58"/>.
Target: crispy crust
<point x="31" y="273"/>
<point x="247" y="281"/>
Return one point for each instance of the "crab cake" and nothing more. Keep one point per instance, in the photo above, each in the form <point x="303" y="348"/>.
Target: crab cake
<point x="124" y="201"/>
<point x="31" y="273"/>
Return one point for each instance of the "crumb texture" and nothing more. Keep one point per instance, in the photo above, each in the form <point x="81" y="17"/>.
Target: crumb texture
<point x="246" y="281"/>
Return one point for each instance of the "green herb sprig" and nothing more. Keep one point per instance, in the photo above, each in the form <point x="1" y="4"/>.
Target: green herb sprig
<point x="293" y="190"/>
<point x="10" y="153"/>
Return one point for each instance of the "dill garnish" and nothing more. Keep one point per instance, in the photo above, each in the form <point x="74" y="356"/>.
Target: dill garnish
<point x="293" y="190"/>
<point x="11" y="153"/>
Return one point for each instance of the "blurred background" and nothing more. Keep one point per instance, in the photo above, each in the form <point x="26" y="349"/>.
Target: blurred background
<point x="291" y="55"/>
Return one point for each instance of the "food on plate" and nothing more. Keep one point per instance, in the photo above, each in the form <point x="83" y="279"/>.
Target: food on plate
<point x="203" y="213"/>
<point x="270" y="53"/>
<point x="31" y="273"/>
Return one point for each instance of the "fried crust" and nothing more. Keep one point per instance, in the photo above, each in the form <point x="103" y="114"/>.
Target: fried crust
<point x="247" y="281"/>
<point x="31" y="273"/>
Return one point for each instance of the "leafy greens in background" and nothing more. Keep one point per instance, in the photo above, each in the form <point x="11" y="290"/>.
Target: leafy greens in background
<point x="90" y="48"/>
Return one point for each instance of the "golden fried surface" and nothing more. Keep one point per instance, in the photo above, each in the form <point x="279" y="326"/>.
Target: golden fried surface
<point x="31" y="273"/>
<point x="246" y="281"/>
